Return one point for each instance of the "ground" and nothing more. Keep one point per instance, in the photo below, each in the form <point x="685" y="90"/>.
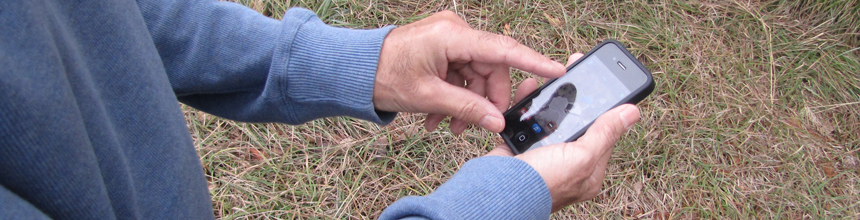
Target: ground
<point x="755" y="115"/>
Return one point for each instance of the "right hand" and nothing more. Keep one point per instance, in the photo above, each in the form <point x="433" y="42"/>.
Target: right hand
<point x="574" y="171"/>
<point x="441" y="66"/>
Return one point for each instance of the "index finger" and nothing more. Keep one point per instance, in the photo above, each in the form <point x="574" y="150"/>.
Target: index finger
<point x="472" y="45"/>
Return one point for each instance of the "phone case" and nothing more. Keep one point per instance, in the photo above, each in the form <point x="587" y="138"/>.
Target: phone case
<point x="638" y="94"/>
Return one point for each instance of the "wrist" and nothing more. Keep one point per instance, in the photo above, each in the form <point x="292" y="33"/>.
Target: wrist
<point x="508" y="186"/>
<point x="331" y="69"/>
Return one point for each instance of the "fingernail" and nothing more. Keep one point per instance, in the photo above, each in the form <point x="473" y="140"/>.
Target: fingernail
<point x="629" y="116"/>
<point x="492" y="123"/>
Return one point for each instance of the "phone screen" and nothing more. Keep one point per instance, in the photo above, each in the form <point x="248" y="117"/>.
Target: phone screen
<point x="570" y="103"/>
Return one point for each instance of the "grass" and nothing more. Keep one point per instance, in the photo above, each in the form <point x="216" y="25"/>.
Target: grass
<point x="755" y="115"/>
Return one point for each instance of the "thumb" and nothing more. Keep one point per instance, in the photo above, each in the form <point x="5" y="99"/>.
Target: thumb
<point x="467" y="106"/>
<point x="609" y="127"/>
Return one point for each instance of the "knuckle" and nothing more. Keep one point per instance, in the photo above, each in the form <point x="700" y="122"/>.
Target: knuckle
<point x="506" y="42"/>
<point x="486" y="36"/>
<point x="468" y="108"/>
<point x="503" y="45"/>
<point x="443" y="26"/>
<point x="447" y="14"/>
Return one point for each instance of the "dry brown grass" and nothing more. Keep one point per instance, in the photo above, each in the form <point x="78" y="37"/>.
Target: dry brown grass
<point x="754" y="115"/>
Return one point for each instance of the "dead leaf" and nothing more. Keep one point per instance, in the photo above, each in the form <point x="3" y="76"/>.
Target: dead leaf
<point x="823" y="126"/>
<point x="828" y="169"/>
<point x="637" y="189"/>
<point x="850" y="163"/>
<point x="553" y="21"/>
<point x="507" y="30"/>
<point x="380" y="148"/>
<point x="277" y="150"/>
<point x="793" y="122"/>
<point x="381" y="141"/>
<point x="255" y="154"/>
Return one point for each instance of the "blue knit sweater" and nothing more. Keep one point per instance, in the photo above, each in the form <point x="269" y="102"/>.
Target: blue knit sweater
<point x="90" y="125"/>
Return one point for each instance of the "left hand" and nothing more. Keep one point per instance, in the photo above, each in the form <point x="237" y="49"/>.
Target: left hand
<point x="441" y="66"/>
<point x="574" y="171"/>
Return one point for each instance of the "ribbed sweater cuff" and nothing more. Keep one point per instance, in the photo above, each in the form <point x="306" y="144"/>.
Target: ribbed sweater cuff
<point x="330" y="71"/>
<point x="491" y="187"/>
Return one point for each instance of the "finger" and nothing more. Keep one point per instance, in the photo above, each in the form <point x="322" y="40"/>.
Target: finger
<point x="474" y="81"/>
<point x="457" y="126"/>
<point x="457" y="78"/>
<point x="525" y="88"/>
<point x="498" y="83"/>
<point x="465" y="105"/>
<point x="501" y="150"/>
<point x="573" y="58"/>
<point x="570" y="60"/>
<point x="480" y="46"/>
<point x="499" y="87"/>
<point x="432" y="121"/>
<point x="608" y="128"/>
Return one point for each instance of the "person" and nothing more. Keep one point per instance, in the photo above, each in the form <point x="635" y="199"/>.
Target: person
<point x="90" y="126"/>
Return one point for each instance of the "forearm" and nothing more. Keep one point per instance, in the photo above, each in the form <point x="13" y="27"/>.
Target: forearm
<point x="491" y="187"/>
<point x="233" y="62"/>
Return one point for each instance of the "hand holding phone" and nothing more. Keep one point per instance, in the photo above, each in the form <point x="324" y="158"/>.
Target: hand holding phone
<point x="574" y="171"/>
<point x="564" y="108"/>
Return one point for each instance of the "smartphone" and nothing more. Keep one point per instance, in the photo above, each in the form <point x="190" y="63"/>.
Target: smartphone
<point x="562" y="109"/>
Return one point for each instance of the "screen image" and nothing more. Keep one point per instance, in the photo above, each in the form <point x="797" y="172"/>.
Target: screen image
<point x="566" y="106"/>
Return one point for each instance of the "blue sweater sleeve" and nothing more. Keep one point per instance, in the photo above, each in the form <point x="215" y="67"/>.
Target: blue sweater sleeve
<point x="14" y="207"/>
<point x="490" y="187"/>
<point x="231" y="61"/>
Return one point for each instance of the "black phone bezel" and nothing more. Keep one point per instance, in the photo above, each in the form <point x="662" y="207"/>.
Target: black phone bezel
<point x="635" y="96"/>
